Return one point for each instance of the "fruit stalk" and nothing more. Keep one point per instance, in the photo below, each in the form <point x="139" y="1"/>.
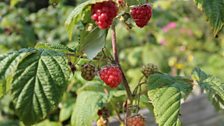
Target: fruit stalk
<point x="116" y="58"/>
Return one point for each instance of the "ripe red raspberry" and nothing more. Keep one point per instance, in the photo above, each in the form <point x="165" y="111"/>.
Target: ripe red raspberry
<point x="103" y="13"/>
<point x="141" y="14"/>
<point x="111" y="75"/>
<point x="136" y="120"/>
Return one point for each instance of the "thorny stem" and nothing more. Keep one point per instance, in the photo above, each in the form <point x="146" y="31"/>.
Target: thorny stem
<point x="116" y="58"/>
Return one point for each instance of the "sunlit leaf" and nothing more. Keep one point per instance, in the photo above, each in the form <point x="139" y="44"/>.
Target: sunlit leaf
<point x="165" y="94"/>
<point x="213" y="87"/>
<point x="86" y="107"/>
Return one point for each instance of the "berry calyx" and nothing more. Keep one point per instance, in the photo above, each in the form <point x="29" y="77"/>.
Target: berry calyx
<point x="121" y="2"/>
<point x="141" y="14"/>
<point x="88" y="72"/>
<point x="111" y="75"/>
<point x="136" y="120"/>
<point x="149" y="69"/>
<point x="103" y="13"/>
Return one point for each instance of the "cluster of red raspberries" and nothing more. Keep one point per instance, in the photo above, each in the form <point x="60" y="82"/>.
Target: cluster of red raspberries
<point x="103" y="14"/>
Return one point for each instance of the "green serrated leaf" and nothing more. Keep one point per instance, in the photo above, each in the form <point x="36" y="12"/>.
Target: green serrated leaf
<point x="214" y="10"/>
<point x="38" y="84"/>
<point x="8" y="65"/>
<point x="165" y="93"/>
<point x="185" y="87"/>
<point x="213" y="87"/>
<point x="9" y="61"/>
<point x="54" y="46"/>
<point x="66" y="110"/>
<point x="86" y="107"/>
<point x="199" y="75"/>
<point x="92" y="42"/>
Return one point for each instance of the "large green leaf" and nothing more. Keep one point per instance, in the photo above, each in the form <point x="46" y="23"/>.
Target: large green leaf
<point x="213" y="87"/>
<point x="214" y="10"/>
<point x="85" y="110"/>
<point x="165" y="93"/>
<point x="66" y="110"/>
<point x="8" y="65"/>
<point x="92" y="42"/>
<point x="38" y="84"/>
<point x="9" y="61"/>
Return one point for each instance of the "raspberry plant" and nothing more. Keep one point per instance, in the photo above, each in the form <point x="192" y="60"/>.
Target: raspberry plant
<point x="36" y="78"/>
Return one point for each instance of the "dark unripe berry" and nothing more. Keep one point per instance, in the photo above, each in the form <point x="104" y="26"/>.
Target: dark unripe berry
<point x="88" y="72"/>
<point x="111" y="75"/>
<point x="149" y="69"/>
<point x="103" y="13"/>
<point x="141" y="14"/>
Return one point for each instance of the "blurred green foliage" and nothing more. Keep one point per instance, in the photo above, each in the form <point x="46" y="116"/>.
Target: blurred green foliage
<point x="177" y="39"/>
